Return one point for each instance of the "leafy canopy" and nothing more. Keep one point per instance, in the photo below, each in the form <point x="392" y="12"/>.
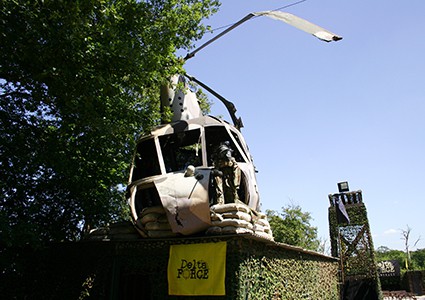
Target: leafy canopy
<point x="292" y="226"/>
<point x="79" y="80"/>
<point x="417" y="257"/>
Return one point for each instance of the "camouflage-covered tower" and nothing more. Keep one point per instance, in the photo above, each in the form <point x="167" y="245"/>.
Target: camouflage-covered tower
<point x="351" y="241"/>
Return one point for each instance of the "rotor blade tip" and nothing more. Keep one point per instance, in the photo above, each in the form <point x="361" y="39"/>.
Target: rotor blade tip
<point x="327" y="36"/>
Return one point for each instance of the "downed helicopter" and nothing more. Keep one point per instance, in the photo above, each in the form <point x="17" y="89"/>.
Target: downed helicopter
<point x="186" y="166"/>
<point x="196" y="174"/>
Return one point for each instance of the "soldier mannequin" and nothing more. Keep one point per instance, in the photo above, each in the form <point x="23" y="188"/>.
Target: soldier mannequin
<point x="227" y="175"/>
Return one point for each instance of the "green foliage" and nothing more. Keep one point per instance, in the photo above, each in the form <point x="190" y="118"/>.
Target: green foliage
<point x="293" y="227"/>
<point x="79" y="80"/>
<point x="417" y="257"/>
<point x="385" y="253"/>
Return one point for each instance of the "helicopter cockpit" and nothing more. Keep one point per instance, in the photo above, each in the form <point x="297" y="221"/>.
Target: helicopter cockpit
<point x="181" y="149"/>
<point x="173" y="148"/>
<point x="175" y="161"/>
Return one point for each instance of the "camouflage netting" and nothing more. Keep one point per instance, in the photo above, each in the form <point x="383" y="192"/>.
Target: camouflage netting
<point x="352" y="242"/>
<point x="286" y="275"/>
<point x="255" y="269"/>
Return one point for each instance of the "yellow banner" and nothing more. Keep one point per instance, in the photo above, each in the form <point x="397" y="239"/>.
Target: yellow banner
<point x="197" y="269"/>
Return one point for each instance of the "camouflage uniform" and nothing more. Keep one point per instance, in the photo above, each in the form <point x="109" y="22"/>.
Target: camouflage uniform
<point x="228" y="177"/>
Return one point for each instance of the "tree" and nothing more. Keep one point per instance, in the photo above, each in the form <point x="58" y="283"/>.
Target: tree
<point x="385" y="253"/>
<point x="405" y="233"/>
<point x="292" y="226"/>
<point x="418" y="259"/>
<point x="79" y="80"/>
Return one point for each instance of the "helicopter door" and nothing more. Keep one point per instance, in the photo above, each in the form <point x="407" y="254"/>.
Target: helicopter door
<point x="216" y="135"/>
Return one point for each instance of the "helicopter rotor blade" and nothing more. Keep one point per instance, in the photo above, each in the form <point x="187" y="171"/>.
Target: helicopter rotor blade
<point x="243" y="20"/>
<point x="302" y="24"/>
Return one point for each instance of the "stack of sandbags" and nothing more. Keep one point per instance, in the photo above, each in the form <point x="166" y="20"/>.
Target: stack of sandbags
<point x="262" y="225"/>
<point x="153" y="223"/>
<point x="230" y="218"/>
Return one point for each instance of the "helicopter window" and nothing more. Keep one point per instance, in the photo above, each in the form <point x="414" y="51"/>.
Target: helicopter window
<point x="146" y="161"/>
<point x="181" y="149"/>
<point x="238" y="140"/>
<point x="215" y="135"/>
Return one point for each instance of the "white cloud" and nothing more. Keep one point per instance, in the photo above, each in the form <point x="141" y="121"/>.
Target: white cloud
<point x="391" y="231"/>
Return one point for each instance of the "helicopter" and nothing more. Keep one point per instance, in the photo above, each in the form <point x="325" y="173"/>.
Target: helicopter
<point x="183" y="168"/>
<point x="173" y="164"/>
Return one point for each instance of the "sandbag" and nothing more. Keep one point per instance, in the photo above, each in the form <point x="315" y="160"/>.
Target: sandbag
<point x="232" y="222"/>
<point x="214" y="230"/>
<point x="233" y="230"/>
<point x="153" y="209"/>
<point x="149" y="217"/>
<point x="230" y="207"/>
<point x="261" y="215"/>
<point x="162" y="219"/>
<point x="258" y="227"/>
<point x="264" y="235"/>
<point x="237" y="215"/>
<point x="262" y="222"/>
<point x="215" y="216"/>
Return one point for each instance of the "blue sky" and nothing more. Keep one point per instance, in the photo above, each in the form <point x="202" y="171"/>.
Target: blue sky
<point x="318" y="113"/>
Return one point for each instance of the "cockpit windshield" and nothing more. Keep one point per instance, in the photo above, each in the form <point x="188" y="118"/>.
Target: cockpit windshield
<point x="146" y="160"/>
<point x="181" y="149"/>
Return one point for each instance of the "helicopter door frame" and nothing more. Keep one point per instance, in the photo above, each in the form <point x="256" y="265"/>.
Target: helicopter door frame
<point x="160" y="156"/>
<point x="236" y="143"/>
<point x="203" y="147"/>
